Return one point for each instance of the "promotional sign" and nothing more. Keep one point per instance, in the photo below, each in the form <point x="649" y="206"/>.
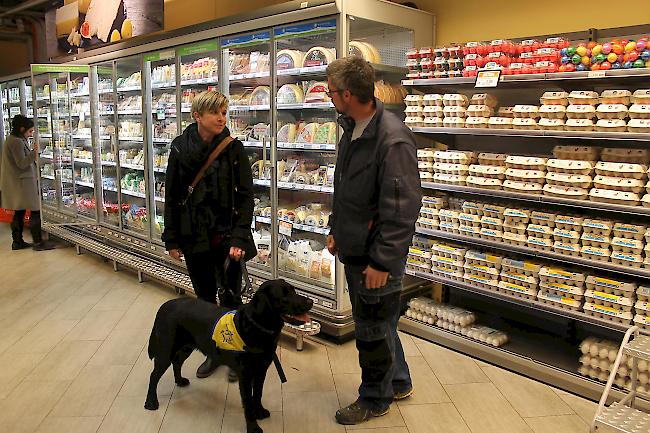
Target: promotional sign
<point x="86" y="24"/>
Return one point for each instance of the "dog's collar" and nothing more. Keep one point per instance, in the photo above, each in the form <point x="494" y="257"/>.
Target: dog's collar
<point x="258" y="326"/>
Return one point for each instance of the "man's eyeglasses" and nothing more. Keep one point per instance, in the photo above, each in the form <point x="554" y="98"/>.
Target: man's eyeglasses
<point x="329" y="93"/>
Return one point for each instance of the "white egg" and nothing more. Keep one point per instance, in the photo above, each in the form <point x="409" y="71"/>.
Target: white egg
<point x="620" y="382"/>
<point x="594" y="363"/>
<point x="603" y="352"/>
<point x="605" y="365"/>
<point x="644" y="378"/>
<point x="584" y="347"/>
<point x="613" y="353"/>
<point x="643" y="365"/>
<point x="594" y="349"/>
<point x="630" y="362"/>
<point x="603" y="376"/>
<point x="583" y="370"/>
<point x="623" y="371"/>
<point x="593" y="373"/>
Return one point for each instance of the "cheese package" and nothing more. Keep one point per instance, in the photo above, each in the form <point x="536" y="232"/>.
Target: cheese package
<point x="287" y="133"/>
<point x="307" y="133"/>
<point x="565" y="192"/>
<point x="488" y="171"/>
<point x="526" y="111"/>
<point x="453" y="122"/>
<point x="454" y="111"/>
<point x="615" y="97"/>
<point x="261" y="96"/>
<point x="581" y="112"/>
<point x="569" y="166"/>
<point x="632" y="156"/>
<point x="639" y="125"/>
<point x="494" y="159"/>
<point x="484" y="182"/>
<point x="476" y="122"/>
<point x="535" y="176"/>
<point x="579" y="125"/>
<point x="432" y="99"/>
<point x="641" y="96"/>
<point x="584" y="153"/>
<point x="364" y="50"/>
<point x="290" y="94"/>
<point x="619" y="183"/>
<point x="326" y="133"/>
<point x="583" y="97"/>
<point x="551" y="124"/>
<point x="525" y="187"/>
<point x="611" y="125"/>
<point x="455" y="99"/>
<point x="484" y="99"/>
<point x="616" y="169"/>
<point x="570" y="180"/>
<point x="525" y="124"/>
<point x="552" y="111"/>
<point x="479" y="111"/>
<point x="67" y="19"/>
<point x="555" y="98"/>
<point x="614" y="197"/>
<point x="100" y="17"/>
<point x="611" y="111"/>
<point x="526" y="162"/>
<point x="500" y="123"/>
<point x="289" y="59"/>
<point x="319" y="56"/>
<point x="317" y="92"/>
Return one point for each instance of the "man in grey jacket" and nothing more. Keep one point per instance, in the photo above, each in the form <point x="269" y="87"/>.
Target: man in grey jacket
<point x="377" y="200"/>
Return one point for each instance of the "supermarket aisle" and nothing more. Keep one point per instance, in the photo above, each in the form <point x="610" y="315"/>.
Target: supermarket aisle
<point x="73" y="357"/>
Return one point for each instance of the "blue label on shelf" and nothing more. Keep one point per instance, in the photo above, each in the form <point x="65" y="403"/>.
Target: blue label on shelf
<point x="244" y="40"/>
<point x="306" y="29"/>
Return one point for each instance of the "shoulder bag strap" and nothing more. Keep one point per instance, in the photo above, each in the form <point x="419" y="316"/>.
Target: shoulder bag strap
<point x="215" y="153"/>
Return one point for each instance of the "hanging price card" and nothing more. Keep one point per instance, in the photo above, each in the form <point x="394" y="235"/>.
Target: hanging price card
<point x="488" y="78"/>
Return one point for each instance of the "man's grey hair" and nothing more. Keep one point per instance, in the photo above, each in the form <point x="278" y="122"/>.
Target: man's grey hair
<point x="353" y="74"/>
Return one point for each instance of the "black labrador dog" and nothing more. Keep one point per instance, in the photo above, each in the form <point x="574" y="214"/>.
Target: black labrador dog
<point x="185" y="324"/>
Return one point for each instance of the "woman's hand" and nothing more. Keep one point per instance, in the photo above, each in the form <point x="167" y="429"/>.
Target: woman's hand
<point x="176" y="254"/>
<point x="236" y="253"/>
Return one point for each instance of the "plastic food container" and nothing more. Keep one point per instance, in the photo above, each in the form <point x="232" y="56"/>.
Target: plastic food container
<point x="579" y="125"/>
<point x="552" y="111"/>
<point x="413" y="100"/>
<point x="526" y="111"/>
<point x="434" y="122"/>
<point x="611" y="111"/>
<point x="581" y="111"/>
<point x="632" y="156"/>
<point x="615" y="97"/>
<point x="641" y="96"/>
<point x="619" y="184"/>
<point x="476" y="122"/>
<point x="551" y="124"/>
<point x="569" y="180"/>
<point x="585" y="153"/>
<point x="566" y="192"/>
<point x="621" y="169"/>
<point x="611" y="125"/>
<point x="479" y="111"/>
<point x="500" y="123"/>
<point x="639" y="111"/>
<point x="484" y="99"/>
<point x="555" y="98"/>
<point x="454" y="122"/>
<point x="639" y="125"/>
<point x="495" y="159"/>
<point x="583" y="97"/>
<point x="455" y="100"/>
<point x="526" y="162"/>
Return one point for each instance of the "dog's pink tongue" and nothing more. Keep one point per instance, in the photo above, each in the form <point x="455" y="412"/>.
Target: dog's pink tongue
<point x="304" y="317"/>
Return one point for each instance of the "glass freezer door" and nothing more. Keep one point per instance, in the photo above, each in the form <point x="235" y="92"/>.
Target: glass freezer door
<point x="49" y="164"/>
<point x="62" y="136"/>
<point x="248" y="87"/>
<point x="6" y="123"/>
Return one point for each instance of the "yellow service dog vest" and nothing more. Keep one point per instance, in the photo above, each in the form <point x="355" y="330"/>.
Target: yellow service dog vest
<point x="225" y="334"/>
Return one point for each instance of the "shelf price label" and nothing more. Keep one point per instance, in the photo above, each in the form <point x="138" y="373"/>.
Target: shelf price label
<point x="487" y="78"/>
<point x="285" y="228"/>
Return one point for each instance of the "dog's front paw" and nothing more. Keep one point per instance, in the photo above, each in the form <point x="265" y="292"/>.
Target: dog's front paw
<point x="151" y="404"/>
<point x="262" y="413"/>
<point x="253" y="428"/>
<point x="183" y="381"/>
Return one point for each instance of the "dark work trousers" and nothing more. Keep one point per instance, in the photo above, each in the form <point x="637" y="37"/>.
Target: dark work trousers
<point x="211" y="280"/>
<point x="18" y="224"/>
<point x="384" y="371"/>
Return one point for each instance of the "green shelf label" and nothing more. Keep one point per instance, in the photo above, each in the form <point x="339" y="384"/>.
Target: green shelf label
<point x="202" y="47"/>
<point x="161" y="55"/>
<point x="83" y="69"/>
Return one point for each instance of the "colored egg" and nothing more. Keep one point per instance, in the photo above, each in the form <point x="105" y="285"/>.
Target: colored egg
<point x="621" y="58"/>
<point x="585" y="61"/>
<point x="616" y="65"/>
<point x="638" y="63"/>
<point x="647" y="45"/>
<point x="576" y="59"/>
<point x="571" y="51"/>
<point x="563" y="52"/>
<point x="581" y="51"/>
<point x="570" y="67"/>
<point x="591" y="44"/>
<point x="606" y="65"/>
<point x="628" y="65"/>
<point x="634" y="55"/>
<point x="640" y="46"/>
<point x="647" y="64"/>
<point x="562" y="68"/>
<point x="595" y="67"/>
<point x="611" y="57"/>
<point x="630" y="46"/>
<point x="597" y="50"/>
<point x="565" y="60"/>
<point x="600" y="58"/>
<point x="617" y="49"/>
<point x="580" y="67"/>
<point x="607" y="48"/>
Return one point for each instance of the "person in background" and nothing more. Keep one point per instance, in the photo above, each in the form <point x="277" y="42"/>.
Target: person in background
<point x="212" y="225"/>
<point x="377" y="200"/>
<point x="19" y="186"/>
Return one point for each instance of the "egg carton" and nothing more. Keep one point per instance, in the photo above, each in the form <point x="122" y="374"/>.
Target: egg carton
<point x="565" y="192"/>
<point x="484" y="182"/>
<point x="526" y="162"/>
<point x="526" y="111"/>
<point x="433" y="111"/>
<point x="580" y="153"/>
<point x="559" y="301"/>
<point x="434" y="122"/>
<point x="449" y="179"/>
<point x="470" y="220"/>
<point x="423" y="304"/>
<point x="414" y="100"/>
<point x="449" y="227"/>
<point x="627" y="260"/>
<point x="493" y="210"/>
<point x="426" y="176"/>
<point x="539" y="231"/>
<point x="583" y="97"/>
<point x="505" y="112"/>
<point x="530" y="282"/>
<point x="449" y="326"/>
<point x="472" y="208"/>
<point x="597" y="227"/>
<point x="595" y="253"/>
<point x="621" y="303"/>
<point x="616" y="97"/>
<point x="454" y="111"/>
<point x="627" y="246"/>
<point x="625" y="156"/>
<point x="552" y="124"/>
<point x="536" y="176"/>
<point x="516" y="216"/>
<point x="514" y="238"/>
<point x="421" y="253"/>
<point x="561" y="289"/>
<point x="638" y="126"/>
<point x="555" y="112"/>
<point x="642" y="307"/>
<point x="608" y="313"/>
<point x="491" y="234"/>
<point x="455" y="100"/>
<point x="618" y="287"/>
<point x="454" y="315"/>
<point x="569" y="249"/>
<point x="646" y="262"/>
<point x="647" y="187"/>
<point x="594" y="240"/>
<point x="450" y="168"/>
<point x="429" y="212"/>
<point x="414" y="111"/>
<point x="614" y="197"/>
<point x="488" y="171"/>
<point x="630" y="231"/>
<point x="555" y="275"/>
<point x="453" y="122"/>
<point x="611" y="111"/>
<point x="568" y="236"/>
<point x="611" y="125"/>
<point x="500" y="123"/>
<point x="476" y="122"/>
<point x="526" y="124"/>
<point x="570" y="166"/>
<point x="522" y="187"/>
<point x="434" y="202"/>
<point x="538" y="243"/>
<point x="640" y="111"/>
<point x="566" y="222"/>
<point x="449" y="251"/>
<point x="642" y="321"/>
<point x="515" y="228"/>
<point x="554" y="98"/>
<point x="425" y="166"/>
<point x="420" y="258"/>
<point x="579" y="125"/>
<point x="432" y="99"/>
<point x="479" y="281"/>
<point x="543" y="218"/>
<point x="474" y="232"/>
<point x="426" y="154"/>
<point x="646" y="201"/>
<point x="417" y="266"/>
<point x="516" y="290"/>
<point x="580" y="112"/>
<point x="484" y="99"/>
<point x="454" y="157"/>
<point x="478" y="110"/>
<point x="491" y="223"/>
<point x="621" y="169"/>
<point x="641" y="96"/>
<point x="423" y="242"/>
<point x="448" y="215"/>
<point x="447" y="273"/>
<point x="427" y="223"/>
<point x="492" y="159"/>
<point x="420" y="317"/>
<point x="480" y="258"/>
<point x="569" y="180"/>
<point x="414" y="121"/>
<point x="520" y="266"/>
<point x="481" y="271"/>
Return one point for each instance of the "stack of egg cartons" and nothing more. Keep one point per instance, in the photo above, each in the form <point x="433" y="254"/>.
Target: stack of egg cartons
<point x="639" y="112"/>
<point x="613" y="110"/>
<point x="645" y="201"/>
<point x="570" y="172"/>
<point x="431" y="206"/>
<point x="525" y="174"/>
<point x="492" y="222"/>
<point x="455" y="110"/>
<point x="553" y="110"/>
<point x="448" y="261"/>
<point x="433" y="110"/>
<point x="646" y="262"/>
<point x="425" y="163"/>
<point x="581" y="110"/>
<point x="489" y="172"/>
<point x="611" y="299"/>
<point x="470" y="219"/>
<point x="525" y="117"/>
<point x="519" y="278"/>
<point x="620" y="176"/>
<point x="482" y="269"/>
<point x="561" y="287"/>
<point x="597" y="361"/>
<point x="540" y="230"/>
<point x="627" y="244"/>
<point x="515" y="222"/>
<point x="481" y="108"/>
<point x="420" y="255"/>
<point x="414" y="111"/>
<point x="596" y="239"/>
<point x="566" y="235"/>
<point x="451" y="167"/>
<point x="642" y="308"/>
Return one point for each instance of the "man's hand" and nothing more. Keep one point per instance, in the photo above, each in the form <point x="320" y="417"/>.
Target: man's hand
<point x="175" y="254"/>
<point x="331" y="245"/>
<point x="236" y="253"/>
<point x="374" y="278"/>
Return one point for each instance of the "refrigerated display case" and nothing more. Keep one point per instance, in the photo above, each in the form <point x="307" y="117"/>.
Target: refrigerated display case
<point x="5" y="125"/>
<point x="48" y="161"/>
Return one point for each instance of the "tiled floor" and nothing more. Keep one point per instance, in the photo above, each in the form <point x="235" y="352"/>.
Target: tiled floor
<point x="73" y="357"/>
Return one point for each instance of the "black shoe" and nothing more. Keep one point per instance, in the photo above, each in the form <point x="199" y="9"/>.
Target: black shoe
<point x="232" y="376"/>
<point x="43" y="246"/>
<point x="20" y="245"/>
<point x="206" y="369"/>
<point x="402" y="395"/>
<point x="356" y="414"/>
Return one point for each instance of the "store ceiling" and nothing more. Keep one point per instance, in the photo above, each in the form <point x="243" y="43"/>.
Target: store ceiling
<point x="18" y="8"/>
